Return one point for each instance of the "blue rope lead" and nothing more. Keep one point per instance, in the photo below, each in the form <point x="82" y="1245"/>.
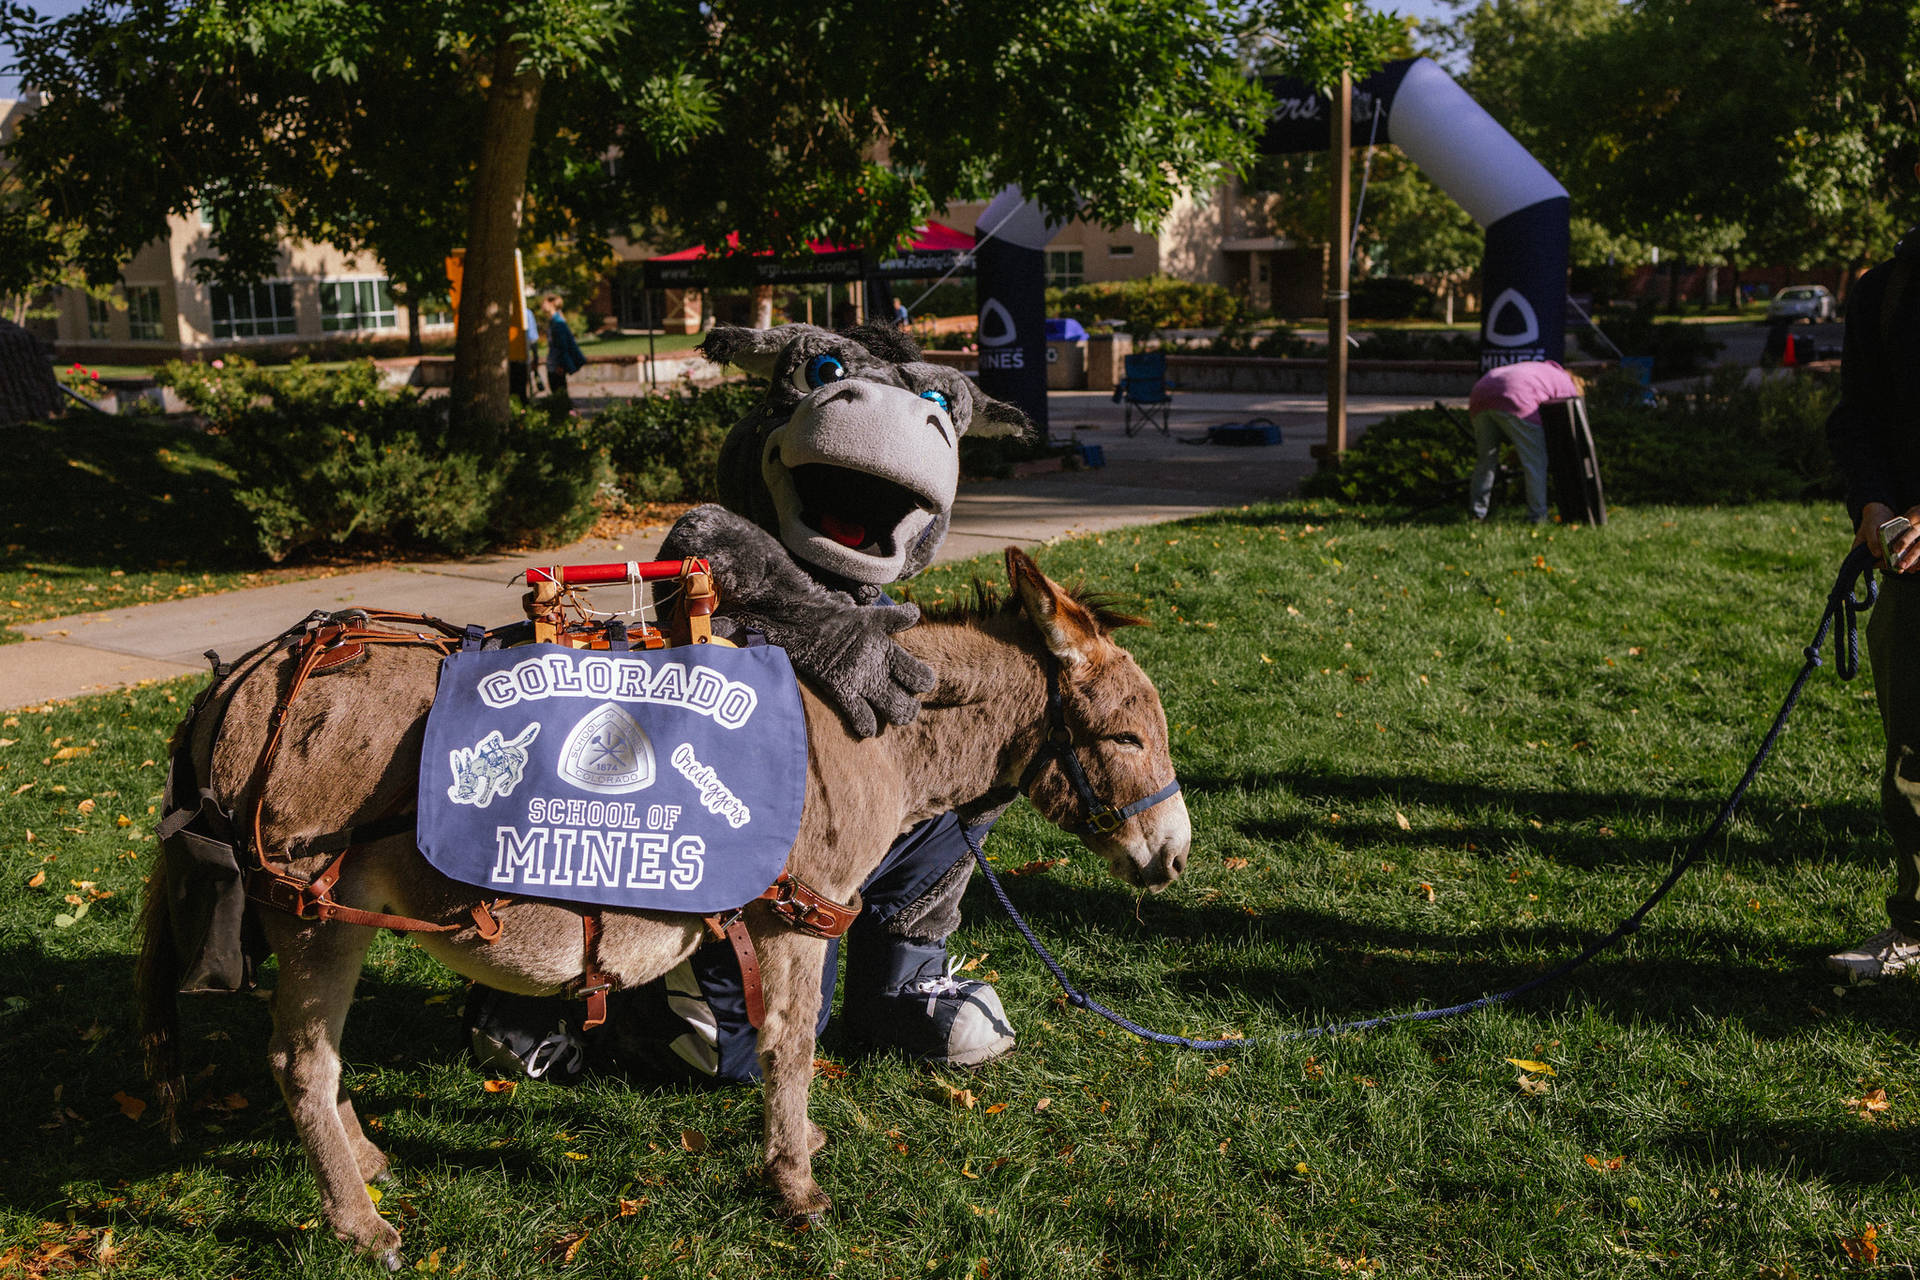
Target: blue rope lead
<point x="1842" y="607"/>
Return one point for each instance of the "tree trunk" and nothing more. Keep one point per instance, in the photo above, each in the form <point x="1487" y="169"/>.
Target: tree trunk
<point x="489" y="289"/>
<point x="413" y="323"/>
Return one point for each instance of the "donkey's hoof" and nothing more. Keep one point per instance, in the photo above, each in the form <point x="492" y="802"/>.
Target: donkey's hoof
<point x="391" y="1259"/>
<point x="808" y="1210"/>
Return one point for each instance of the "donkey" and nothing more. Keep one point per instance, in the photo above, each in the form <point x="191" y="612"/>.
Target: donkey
<point x="1032" y="696"/>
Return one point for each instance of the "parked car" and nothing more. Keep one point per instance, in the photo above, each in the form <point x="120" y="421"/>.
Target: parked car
<point x="1801" y="302"/>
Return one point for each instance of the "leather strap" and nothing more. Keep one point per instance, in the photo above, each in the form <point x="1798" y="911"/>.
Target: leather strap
<point x="752" y="991"/>
<point x="592" y="982"/>
<point x="270" y="885"/>
<point x="805" y="908"/>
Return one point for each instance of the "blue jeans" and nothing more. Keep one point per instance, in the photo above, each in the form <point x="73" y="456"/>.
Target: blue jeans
<point x="1529" y="441"/>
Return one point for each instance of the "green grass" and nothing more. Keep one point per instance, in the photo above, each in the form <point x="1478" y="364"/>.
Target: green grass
<point x="101" y="511"/>
<point x="632" y="345"/>
<point x="1448" y="755"/>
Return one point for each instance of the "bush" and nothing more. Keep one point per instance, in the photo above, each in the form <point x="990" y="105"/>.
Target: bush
<point x="667" y="448"/>
<point x="1727" y="444"/>
<point x="1413" y="344"/>
<point x="1149" y="305"/>
<point x="1279" y="342"/>
<point x="336" y="458"/>
<point x="1389" y="298"/>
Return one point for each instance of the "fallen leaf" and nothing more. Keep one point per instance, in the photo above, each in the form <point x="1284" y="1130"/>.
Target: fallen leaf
<point x="996" y="1108"/>
<point x="74" y="753"/>
<point x="431" y="1262"/>
<point x="1528" y="1085"/>
<point x="123" y="821"/>
<point x="1043" y="1104"/>
<point x="441" y="998"/>
<point x="573" y="1245"/>
<point x="1538" y="1068"/>
<point x="1862" y="1248"/>
<point x="499" y="1086"/>
<point x="1221" y="1070"/>
<point x="130" y="1107"/>
<point x="25" y="786"/>
<point x="1427" y="889"/>
<point x="37" y="879"/>
<point x="1611" y="1164"/>
<point x="966" y="1171"/>
<point x="831" y="1070"/>
<point x="235" y="1102"/>
<point x="1235" y="864"/>
<point x="693" y="1140"/>
<point x="1400" y="819"/>
<point x="374" y="1193"/>
<point x="1312" y="1070"/>
<point x="630" y="1207"/>
<point x="575" y="1155"/>
<point x="1037" y="867"/>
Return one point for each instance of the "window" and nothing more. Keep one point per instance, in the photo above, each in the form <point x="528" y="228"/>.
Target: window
<point x="1065" y="268"/>
<point x="355" y="304"/>
<point x="143" y="312"/>
<point x="252" y="311"/>
<point x="1119" y="251"/>
<point x="99" y="314"/>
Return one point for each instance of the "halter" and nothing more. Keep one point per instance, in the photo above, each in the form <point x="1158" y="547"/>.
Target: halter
<point x="1101" y="816"/>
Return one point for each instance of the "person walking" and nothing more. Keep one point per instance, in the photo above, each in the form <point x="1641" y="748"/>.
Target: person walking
<point x="564" y="356"/>
<point x="1874" y="432"/>
<point x="1506" y="402"/>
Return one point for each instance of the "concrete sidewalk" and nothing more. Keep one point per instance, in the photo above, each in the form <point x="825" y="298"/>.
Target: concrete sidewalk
<point x="1147" y="478"/>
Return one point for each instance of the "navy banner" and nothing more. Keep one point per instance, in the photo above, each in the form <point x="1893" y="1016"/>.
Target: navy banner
<point x="1525" y="282"/>
<point x="668" y="780"/>
<point x="1010" y="272"/>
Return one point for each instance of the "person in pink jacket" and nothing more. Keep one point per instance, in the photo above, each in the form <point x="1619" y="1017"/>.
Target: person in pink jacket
<point x="1506" y="401"/>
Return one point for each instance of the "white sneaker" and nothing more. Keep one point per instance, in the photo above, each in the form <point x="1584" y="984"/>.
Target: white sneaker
<point x="1881" y="956"/>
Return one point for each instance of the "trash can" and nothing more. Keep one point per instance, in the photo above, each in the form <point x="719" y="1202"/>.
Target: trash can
<point x="1066" y="356"/>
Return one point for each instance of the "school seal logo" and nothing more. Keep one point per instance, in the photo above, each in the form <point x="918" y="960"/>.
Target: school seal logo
<point x="607" y="752"/>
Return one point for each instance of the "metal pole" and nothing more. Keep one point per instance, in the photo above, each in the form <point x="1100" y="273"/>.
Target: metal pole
<point x="1337" y="276"/>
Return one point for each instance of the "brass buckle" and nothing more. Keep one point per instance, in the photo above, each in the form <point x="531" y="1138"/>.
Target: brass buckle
<point x="1107" y="819"/>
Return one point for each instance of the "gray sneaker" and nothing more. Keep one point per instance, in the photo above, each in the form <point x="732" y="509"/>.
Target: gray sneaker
<point x="1881" y="956"/>
<point x="915" y="1002"/>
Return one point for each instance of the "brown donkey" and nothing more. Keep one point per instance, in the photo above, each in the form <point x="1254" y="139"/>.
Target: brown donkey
<point x="350" y="754"/>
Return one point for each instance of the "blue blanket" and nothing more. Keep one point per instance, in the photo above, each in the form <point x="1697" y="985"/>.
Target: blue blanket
<point x="668" y="780"/>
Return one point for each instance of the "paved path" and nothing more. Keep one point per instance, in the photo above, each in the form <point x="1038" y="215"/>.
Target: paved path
<point x="1148" y="478"/>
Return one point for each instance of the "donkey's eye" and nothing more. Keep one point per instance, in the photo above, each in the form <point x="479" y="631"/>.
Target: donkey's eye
<point x="1128" y="740"/>
<point x="818" y="372"/>
<point x="938" y="397"/>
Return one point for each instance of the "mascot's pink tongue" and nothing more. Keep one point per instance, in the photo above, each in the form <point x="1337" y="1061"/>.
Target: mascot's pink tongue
<point x="844" y="532"/>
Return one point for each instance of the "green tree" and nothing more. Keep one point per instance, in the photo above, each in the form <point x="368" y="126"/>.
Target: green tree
<point x="406" y="127"/>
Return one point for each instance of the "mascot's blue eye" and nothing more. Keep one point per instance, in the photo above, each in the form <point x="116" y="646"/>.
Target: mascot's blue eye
<point x="824" y="369"/>
<point x="939" y="398"/>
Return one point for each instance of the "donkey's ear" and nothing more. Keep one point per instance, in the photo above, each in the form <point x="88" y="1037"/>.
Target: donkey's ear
<point x="998" y="418"/>
<point x="1069" y="630"/>
<point x="754" y="350"/>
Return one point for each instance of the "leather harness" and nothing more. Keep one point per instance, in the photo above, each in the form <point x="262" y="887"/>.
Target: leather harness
<point x="331" y="643"/>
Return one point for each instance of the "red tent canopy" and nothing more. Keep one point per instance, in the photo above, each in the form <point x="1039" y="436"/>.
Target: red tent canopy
<point x="929" y="249"/>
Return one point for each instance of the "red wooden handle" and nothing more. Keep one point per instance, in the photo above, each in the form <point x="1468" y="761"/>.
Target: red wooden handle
<point x="600" y="575"/>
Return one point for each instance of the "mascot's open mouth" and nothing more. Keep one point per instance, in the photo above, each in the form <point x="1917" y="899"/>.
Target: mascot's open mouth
<point x="856" y="509"/>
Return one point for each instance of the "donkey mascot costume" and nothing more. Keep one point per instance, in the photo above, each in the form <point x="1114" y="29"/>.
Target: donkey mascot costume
<point x="841" y="482"/>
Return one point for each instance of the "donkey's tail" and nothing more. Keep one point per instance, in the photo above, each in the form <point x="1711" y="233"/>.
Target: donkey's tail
<point x="157" y="978"/>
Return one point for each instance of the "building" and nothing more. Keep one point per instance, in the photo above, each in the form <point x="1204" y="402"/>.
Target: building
<point x="318" y="298"/>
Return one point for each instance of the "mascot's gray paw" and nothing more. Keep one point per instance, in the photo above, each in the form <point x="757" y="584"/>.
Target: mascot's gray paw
<point x="870" y="680"/>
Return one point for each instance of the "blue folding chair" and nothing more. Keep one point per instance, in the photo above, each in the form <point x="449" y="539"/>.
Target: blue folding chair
<point x="1146" y="392"/>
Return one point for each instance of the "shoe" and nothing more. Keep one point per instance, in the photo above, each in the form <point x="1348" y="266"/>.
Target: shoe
<point x="928" y="1012"/>
<point x="1881" y="956"/>
<point x="528" y="1036"/>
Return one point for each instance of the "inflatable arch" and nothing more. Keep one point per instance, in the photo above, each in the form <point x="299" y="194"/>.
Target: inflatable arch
<point x="1411" y="103"/>
<point x="1420" y="109"/>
